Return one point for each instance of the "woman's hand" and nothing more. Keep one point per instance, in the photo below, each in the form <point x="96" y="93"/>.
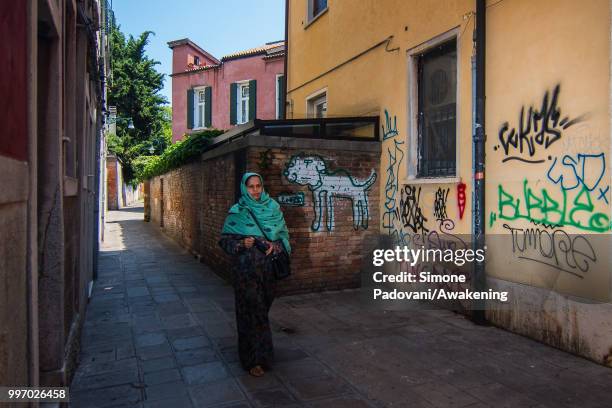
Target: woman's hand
<point x="270" y="248"/>
<point x="248" y="242"/>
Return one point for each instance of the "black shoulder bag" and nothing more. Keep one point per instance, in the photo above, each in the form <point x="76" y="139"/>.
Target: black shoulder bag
<point x="279" y="264"/>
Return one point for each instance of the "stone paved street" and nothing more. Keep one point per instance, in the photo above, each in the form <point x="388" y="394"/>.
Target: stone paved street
<point x="160" y="333"/>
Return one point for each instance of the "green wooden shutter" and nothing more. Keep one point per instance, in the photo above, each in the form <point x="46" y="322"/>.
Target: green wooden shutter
<point x="190" y="108"/>
<point x="233" y="101"/>
<point x="281" y="97"/>
<point x="208" y="107"/>
<point x="252" y="99"/>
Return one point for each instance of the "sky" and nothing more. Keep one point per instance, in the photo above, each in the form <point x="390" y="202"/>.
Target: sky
<point x="219" y="27"/>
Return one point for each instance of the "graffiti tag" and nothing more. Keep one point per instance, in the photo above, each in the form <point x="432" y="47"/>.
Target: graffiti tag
<point x="391" y="214"/>
<point x="557" y="249"/>
<point x="390" y="131"/>
<point x="537" y="129"/>
<point x="411" y="212"/>
<point x="461" y="199"/>
<point x="542" y="208"/>
<point x="440" y="203"/>
<point x="291" y="200"/>
<point x="395" y="156"/>
<point x="325" y="185"/>
<point x="572" y="172"/>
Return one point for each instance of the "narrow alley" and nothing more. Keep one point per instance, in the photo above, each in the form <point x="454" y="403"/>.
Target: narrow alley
<point x="160" y="332"/>
<point x="450" y="162"/>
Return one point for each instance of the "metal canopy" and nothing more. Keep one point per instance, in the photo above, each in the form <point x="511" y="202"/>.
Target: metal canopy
<point x="349" y="128"/>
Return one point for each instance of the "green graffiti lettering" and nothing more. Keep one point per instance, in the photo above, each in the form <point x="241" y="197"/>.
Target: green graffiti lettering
<point x="541" y="208"/>
<point x="492" y="218"/>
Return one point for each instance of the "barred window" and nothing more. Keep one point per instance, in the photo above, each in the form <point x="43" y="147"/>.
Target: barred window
<point x="437" y="111"/>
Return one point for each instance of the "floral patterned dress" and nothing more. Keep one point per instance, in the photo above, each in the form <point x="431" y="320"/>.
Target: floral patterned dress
<point x="254" y="289"/>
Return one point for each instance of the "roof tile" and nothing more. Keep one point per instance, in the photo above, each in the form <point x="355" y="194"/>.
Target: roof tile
<point x="254" y="51"/>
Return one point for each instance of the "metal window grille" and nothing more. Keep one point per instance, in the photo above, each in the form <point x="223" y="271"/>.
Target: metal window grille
<point x="437" y="111"/>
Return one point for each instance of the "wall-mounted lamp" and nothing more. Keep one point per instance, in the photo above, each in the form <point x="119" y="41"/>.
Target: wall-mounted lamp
<point x="112" y="118"/>
<point x="155" y="145"/>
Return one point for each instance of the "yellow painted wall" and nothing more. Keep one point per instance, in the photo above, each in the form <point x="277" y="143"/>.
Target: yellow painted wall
<point x="378" y="81"/>
<point x="533" y="47"/>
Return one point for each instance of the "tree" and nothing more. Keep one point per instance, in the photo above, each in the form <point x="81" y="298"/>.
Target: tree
<point x="134" y="88"/>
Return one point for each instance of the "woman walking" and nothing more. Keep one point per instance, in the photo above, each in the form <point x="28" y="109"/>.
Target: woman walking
<point x="254" y="284"/>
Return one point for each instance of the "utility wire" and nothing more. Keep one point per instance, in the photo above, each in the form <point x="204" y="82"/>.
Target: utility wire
<point x="385" y="41"/>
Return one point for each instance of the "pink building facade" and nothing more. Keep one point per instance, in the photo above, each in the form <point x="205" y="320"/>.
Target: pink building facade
<point x="212" y="93"/>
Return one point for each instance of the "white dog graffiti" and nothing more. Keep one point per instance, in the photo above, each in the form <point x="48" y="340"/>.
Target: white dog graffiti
<point x="312" y="171"/>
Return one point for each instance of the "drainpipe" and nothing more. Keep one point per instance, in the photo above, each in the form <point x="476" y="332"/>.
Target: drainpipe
<point x="478" y="160"/>
<point x="285" y="82"/>
<point x="31" y="23"/>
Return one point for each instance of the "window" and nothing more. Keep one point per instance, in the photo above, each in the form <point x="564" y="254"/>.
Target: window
<point x="242" y="110"/>
<point x="432" y="122"/>
<point x="280" y="96"/>
<point x="200" y="108"/>
<point x="437" y="111"/>
<point x="318" y="6"/>
<point x="315" y="8"/>
<point x="316" y="105"/>
<point x="243" y="101"/>
<point x="320" y="109"/>
<point x="196" y="60"/>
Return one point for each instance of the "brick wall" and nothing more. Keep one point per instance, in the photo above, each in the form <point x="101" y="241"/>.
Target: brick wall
<point x="146" y="188"/>
<point x="196" y="198"/>
<point x="217" y="197"/>
<point x="154" y="200"/>
<point x="112" y="196"/>
<point x="182" y="200"/>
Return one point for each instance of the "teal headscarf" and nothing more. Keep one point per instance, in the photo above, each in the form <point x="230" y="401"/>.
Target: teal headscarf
<point x="267" y="211"/>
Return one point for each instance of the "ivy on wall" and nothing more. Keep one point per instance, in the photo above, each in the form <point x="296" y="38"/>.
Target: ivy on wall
<point x="176" y="155"/>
